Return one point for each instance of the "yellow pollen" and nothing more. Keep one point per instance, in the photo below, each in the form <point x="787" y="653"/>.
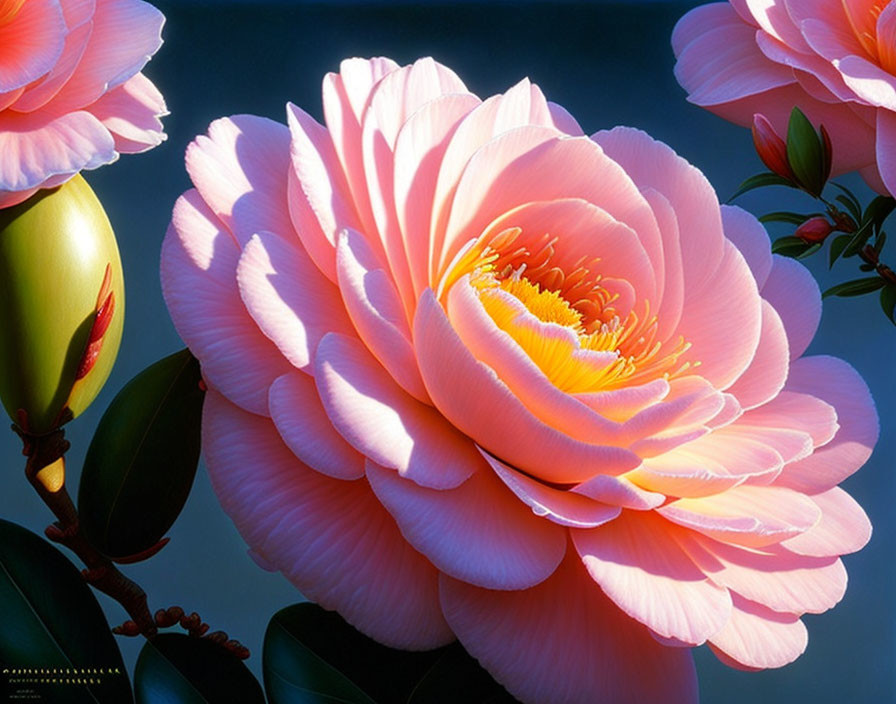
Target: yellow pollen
<point x="547" y="306"/>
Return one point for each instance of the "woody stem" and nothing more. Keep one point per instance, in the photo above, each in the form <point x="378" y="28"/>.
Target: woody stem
<point x="44" y="469"/>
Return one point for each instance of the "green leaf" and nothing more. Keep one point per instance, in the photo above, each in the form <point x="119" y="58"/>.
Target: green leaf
<point x="759" y="181"/>
<point x="805" y="152"/>
<point x="878" y="210"/>
<point x="880" y="242"/>
<point x="142" y="460"/>
<point x="888" y="301"/>
<point x="174" y="668"/>
<point x="312" y="656"/>
<point x="867" y="267"/>
<point x="786" y="216"/>
<point x="50" y="618"/>
<point x="856" y="287"/>
<point x="838" y="244"/>
<point x="849" y="200"/>
<point x="790" y="246"/>
<point x="810" y="251"/>
<point x="457" y="677"/>
<point x="859" y="239"/>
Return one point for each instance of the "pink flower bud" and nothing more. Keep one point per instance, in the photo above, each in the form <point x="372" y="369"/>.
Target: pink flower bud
<point x="771" y="147"/>
<point x="814" y="230"/>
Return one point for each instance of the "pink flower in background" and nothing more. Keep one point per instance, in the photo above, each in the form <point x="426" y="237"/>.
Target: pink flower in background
<point x="71" y="93"/>
<point x="834" y="59"/>
<point x="474" y="374"/>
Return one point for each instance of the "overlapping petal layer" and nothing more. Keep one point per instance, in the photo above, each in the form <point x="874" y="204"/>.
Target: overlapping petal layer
<point x="548" y="369"/>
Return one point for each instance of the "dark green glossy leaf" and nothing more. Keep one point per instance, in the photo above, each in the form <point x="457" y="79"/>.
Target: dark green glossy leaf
<point x="856" y="287"/>
<point x="759" y="181"/>
<point x="805" y="152"/>
<point x="786" y="216"/>
<point x="174" y="668"/>
<point x="812" y="249"/>
<point x="457" y="677"/>
<point x="51" y="619"/>
<point x="142" y="460"/>
<point x="878" y="210"/>
<point x="859" y="239"/>
<point x="849" y="200"/>
<point x="866" y="267"/>
<point x="312" y="656"/>
<point x="888" y="301"/>
<point x="790" y="246"/>
<point x="880" y="242"/>
<point x="838" y="244"/>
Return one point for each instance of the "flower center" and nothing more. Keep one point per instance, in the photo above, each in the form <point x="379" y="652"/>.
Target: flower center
<point x="877" y="39"/>
<point x="9" y="9"/>
<point x="566" y="320"/>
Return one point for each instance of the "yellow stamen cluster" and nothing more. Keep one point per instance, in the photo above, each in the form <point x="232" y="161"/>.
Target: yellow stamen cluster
<point x="505" y="273"/>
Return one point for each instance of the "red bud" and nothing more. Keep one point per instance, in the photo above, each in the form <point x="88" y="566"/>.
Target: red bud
<point x="771" y="147"/>
<point x="814" y="230"/>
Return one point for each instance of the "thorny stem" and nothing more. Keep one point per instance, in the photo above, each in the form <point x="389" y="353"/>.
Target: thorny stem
<point x="47" y="453"/>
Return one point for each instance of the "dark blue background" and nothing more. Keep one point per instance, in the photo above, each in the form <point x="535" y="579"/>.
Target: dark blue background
<point x="608" y="64"/>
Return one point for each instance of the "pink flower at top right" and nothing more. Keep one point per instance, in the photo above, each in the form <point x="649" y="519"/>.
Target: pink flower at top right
<point x="834" y="59"/>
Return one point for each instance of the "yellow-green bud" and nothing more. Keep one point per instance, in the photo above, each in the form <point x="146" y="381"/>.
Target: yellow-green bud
<point x="61" y="304"/>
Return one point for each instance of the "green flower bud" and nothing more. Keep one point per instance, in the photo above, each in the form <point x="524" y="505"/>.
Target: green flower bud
<point x="61" y="304"/>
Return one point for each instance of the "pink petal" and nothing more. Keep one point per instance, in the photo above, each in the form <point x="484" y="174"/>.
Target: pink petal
<point x="319" y="200"/>
<point x="753" y="516"/>
<point x="31" y="44"/>
<point x="844" y="527"/>
<point x="773" y="576"/>
<point x="306" y="429"/>
<point x="522" y="105"/>
<point x="836" y="382"/>
<point x="701" y="20"/>
<point x="765" y="377"/>
<point x="792" y="290"/>
<point x="394" y="99"/>
<point x="38" y="93"/>
<point x="376" y="310"/>
<point x="681" y="474"/>
<point x="331" y="538"/>
<point x="796" y="411"/>
<point x="757" y="637"/>
<point x="386" y="425"/>
<point x="886" y="148"/>
<point x="107" y="61"/>
<point x="240" y="169"/>
<point x="199" y="261"/>
<point x="619" y="491"/>
<point x="641" y="567"/>
<point x="773" y="17"/>
<point x="669" y="311"/>
<point x="478" y="533"/>
<point x="345" y="96"/>
<point x="131" y="113"/>
<point x="567" y="508"/>
<point x="492" y="416"/>
<point x="419" y="149"/>
<point x="597" y="652"/>
<point x="287" y="296"/>
<point x="622" y="404"/>
<point x="724" y="64"/>
<point x="35" y="147"/>
<point x="751" y="240"/>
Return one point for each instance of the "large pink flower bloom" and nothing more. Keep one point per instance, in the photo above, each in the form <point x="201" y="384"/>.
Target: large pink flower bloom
<point x="835" y="59"/>
<point x="71" y="93"/>
<point x="476" y="375"/>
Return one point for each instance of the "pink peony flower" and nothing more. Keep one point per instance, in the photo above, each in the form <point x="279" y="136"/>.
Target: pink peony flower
<point x="71" y="93"/>
<point x="474" y="374"/>
<point x="834" y="59"/>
